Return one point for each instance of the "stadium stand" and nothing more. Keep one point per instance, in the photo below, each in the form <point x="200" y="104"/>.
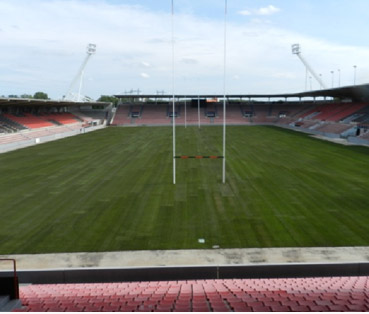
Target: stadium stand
<point x="192" y="115"/>
<point x="285" y="110"/>
<point x="336" y="128"/>
<point x="305" y="124"/>
<point x="365" y="136"/>
<point x="122" y="115"/>
<point x="48" y="131"/>
<point x="325" y="118"/>
<point x="12" y="138"/>
<point x="10" y="126"/>
<point x="234" y="114"/>
<point x="332" y="111"/>
<point x="247" y="110"/>
<point x="211" y="110"/>
<point x="60" y="118"/>
<point x="89" y="116"/>
<point x="362" y="115"/>
<point x="262" y="114"/>
<point x="154" y="114"/>
<point x="29" y="121"/>
<point x="328" y="110"/>
<point x="37" y="133"/>
<point x="135" y="111"/>
<point x="311" y="113"/>
<point x="348" y="110"/>
<point x="226" y="295"/>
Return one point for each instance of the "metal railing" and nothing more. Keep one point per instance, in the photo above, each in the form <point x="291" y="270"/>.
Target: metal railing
<point x="15" y="278"/>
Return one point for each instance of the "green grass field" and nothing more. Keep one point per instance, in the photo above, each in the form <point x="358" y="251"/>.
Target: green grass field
<point x="112" y="190"/>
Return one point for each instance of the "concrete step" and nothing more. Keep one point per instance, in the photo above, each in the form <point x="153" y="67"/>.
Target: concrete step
<point x="4" y="299"/>
<point x="7" y="305"/>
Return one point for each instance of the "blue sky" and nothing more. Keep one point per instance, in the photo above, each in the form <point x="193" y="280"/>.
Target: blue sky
<point x="43" y="44"/>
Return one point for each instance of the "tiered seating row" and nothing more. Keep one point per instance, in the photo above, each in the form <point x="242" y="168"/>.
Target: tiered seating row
<point x="12" y="138"/>
<point x="29" y="121"/>
<point x="234" y="114"/>
<point x="261" y="113"/>
<point x="333" y="111"/>
<point x="62" y="118"/>
<point x="122" y="115"/>
<point x="49" y="131"/>
<point x="43" y="120"/>
<point x="154" y="115"/>
<point x="328" y="110"/>
<point x="347" y="111"/>
<point x="303" y="294"/>
<point x="24" y="136"/>
<point x="336" y="128"/>
<point x="324" y="118"/>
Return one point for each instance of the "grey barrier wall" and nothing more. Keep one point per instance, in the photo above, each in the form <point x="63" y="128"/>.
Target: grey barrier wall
<point x="351" y="139"/>
<point x="309" y="131"/>
<point x="35" y="141"/>
<point x="357" y="140"/>
<point x="347" y="134"/>
<point x="94" y="275"/>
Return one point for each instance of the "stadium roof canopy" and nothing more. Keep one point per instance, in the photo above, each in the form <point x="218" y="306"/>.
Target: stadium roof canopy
<point x="357" y="93"/>
<point x="47" y="103"/>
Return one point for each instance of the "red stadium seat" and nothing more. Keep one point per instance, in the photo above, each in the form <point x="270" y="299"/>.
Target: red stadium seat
<point x="304" y="294"/>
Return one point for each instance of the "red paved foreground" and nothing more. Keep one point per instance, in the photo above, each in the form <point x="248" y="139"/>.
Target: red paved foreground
<point x="303" y="294"/>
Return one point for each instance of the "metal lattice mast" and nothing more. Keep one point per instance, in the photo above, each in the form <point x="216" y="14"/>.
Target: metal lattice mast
<point x="91" y="49"/>
<point x="296" y="51"/>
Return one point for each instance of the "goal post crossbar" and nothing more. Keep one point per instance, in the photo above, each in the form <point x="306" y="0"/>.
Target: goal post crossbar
<point x="199" y="157"/>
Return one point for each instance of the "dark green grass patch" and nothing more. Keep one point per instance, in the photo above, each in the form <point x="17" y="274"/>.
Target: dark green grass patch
<point x="112" y="190"/>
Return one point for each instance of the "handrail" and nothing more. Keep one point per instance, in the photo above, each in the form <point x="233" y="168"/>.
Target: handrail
<point x="16" y="291"/>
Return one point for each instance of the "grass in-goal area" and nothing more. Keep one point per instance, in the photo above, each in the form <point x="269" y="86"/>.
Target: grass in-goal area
<point x="112" y="190"/>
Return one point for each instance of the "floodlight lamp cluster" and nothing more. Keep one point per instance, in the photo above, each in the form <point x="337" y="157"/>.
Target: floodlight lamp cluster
<point x="91" y="49"/>
<point x="296" y="49"/>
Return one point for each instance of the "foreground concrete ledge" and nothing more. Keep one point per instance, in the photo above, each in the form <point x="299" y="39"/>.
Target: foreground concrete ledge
<point x="208" y="257"/>
<point x="176" y="273"/>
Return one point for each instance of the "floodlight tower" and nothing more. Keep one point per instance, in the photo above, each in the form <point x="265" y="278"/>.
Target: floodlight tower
<point x="91" y="49"/>
<point x="296" y="51"/>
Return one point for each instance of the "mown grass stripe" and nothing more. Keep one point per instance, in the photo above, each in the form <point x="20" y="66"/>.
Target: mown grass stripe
<point x="111" y="190"/>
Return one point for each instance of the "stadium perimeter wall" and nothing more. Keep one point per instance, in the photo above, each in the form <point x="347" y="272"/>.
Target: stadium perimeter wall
<point x="95" y="275"/>
<point x="35" y="141"/>
<point x="358" y="141"/>
<point x="325" y="134"/>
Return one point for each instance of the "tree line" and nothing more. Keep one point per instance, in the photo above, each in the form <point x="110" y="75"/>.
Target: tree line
<point x="37" y="95"/>
<point x="42" y="95"/>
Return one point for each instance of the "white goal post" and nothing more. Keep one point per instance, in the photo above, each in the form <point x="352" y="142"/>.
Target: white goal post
<point x="224" y="101"/>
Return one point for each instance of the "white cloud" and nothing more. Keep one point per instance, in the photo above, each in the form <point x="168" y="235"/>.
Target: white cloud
<point x="245" y="12"/>
<point x="145" y="64"/>
<point x="133" y="45"/>
<point x="145" y="75"/>
<point x="269" y="10"/>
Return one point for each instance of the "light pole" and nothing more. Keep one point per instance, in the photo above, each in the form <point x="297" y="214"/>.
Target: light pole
<point x="332" y="72"/>
<point x="296" y="51"/>
<point x="91" y="49"/>
<point x="311" y="84"/>
<point x="355" y="74"/>
<point x="339" y="77"/>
